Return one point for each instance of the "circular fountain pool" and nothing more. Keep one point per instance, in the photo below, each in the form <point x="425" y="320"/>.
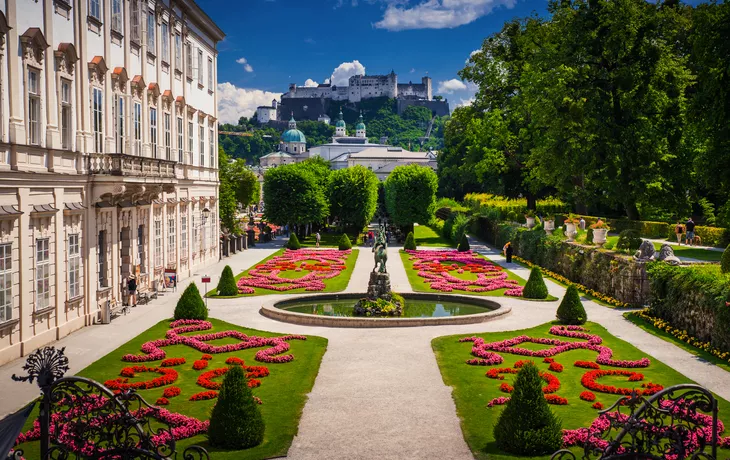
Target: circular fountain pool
<point x="420" y="310"/>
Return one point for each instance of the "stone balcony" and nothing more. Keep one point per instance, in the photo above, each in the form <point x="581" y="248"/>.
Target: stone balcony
<point x="121" y="164"/>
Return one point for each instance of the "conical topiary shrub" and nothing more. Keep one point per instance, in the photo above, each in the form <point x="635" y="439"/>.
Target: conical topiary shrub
<point x="344" y="244"/>
<point x="227" y="284"/>
<point x="527" y="426"/>
<point x="463" y="244"/>
<point x="235" y="421"/>
<point x="571" y="311"/>
<point x="293" y="242"/>
<point x="191" y="305"/>
<point x="410" y="243"/>
<point x="725" y="261"/>
<point x="535" y="287"/>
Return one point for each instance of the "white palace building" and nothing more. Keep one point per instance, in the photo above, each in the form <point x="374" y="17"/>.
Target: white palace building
<point x="108" y="152"/>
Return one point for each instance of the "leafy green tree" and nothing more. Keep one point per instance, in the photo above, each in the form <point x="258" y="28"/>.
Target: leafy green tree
<point x="191" y="305"/>
<point x="226" y="195"/>
<point x="570" y="310"/>
<point x="527" y="426"/>
<point x="353" y="196"/>
<point x="410" y="195"/>
<point x="227" y="284"/>
<point x="235" y="421"/>
<point x="293" y="195"/>
<point x="245" y="183"/>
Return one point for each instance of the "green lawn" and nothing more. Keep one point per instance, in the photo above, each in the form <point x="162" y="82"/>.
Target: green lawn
<point x="327" y="240"/>
<point x="337" y="284"/>
<point x="419" y="284"/>
<point x="426" y="236"/>
<point x="472" y="390"/>
<point x="700" y="354"/>
<point x="704" y="255"/>
<point x="283" y="392"/>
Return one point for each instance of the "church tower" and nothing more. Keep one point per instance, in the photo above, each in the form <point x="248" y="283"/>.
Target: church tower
<point x="360" y="127"/>
<point x="340" y="127"/>
<point x="293" y="140"/>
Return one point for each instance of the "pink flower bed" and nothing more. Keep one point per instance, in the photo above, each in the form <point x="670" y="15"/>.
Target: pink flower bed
<point x="321" y="264"/>
<point x="486" y="353"/>
<point x="435" y="267"/>
<point x="153" y="349"/>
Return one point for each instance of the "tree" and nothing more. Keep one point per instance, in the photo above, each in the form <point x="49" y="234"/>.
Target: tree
<point x="235" y="421"/>
<point x="535" y="287"/>
<point x="293" y="242"/>
<point x="527" y="426"/>
<point x="410" y="243"/>
<point x="245" y="183"/>
<point x="227" y="284"/>
<point x="292" y="195"/>
<point x="226" y="195"/>
<point x="344" y="244"/>
<point x="464" y="243"/>
<point x="191" y="305"/>
<point x="410" y="195"/>
<point x="353" y="196"/>
<point x="570" y="310"/>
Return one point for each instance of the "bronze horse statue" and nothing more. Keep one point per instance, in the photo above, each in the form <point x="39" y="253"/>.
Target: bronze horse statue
<point x="380" y="248"/>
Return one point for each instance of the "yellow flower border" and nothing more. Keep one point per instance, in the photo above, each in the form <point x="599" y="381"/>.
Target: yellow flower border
<point x="682" y="335"/>
<point x="612" y="302"/>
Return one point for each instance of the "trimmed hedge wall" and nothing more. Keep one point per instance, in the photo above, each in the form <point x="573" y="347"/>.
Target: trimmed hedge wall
<point x="693" y="299"/>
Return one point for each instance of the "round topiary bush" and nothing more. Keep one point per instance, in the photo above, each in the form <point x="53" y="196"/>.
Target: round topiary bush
<point x="628" y="240"/>
<point x="463" y="244"/>
<point x="725" y="261"/>
<point x="344" y="244"/>
<point x="410" y="243"/>
<point x="571" y="311"/>
<point x="527" y="426"/>
<point x="235" y="421"/>
<point x="227" y="284"/>
<point x="293" y="242"/>
<point x="535" y="287"/>
<point x="191" y="305"/>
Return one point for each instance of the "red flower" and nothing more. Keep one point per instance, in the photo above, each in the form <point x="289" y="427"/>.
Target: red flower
<point x="171" y="392"/>
<point x="169" y="362"/>
<point x="555" y="367"/>
<point x="555" y="399"/>
<point x="205" y="379"/>
<point x="506" y="387"/>
<point x="168" y="376"/>
<point x="200" y="364"/>
<point x="162" y="402"/>
<point x="548" y="360"/>
<point x="589" y="381"/>
<point x="206" y="357"/>
<point x="597" y="405"/>
<point x="586" y="364"/>
<point x="587" y="396"/>
<point x="234" y="360"/>
<point x="204" y="395"/>
<point x="522" y="362"/>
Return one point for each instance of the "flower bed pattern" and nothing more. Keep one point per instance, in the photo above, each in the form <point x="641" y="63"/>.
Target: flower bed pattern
<point x="168" y="376"/>
<point x="322" y="264"/>
<point x="153" y="350"/>
<point x="435" y="266"/>
<point x="252" y="373"/>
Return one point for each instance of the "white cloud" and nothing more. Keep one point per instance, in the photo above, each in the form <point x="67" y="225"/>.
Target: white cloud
<point x="344" y="71"/>
<point x="309" y="83"/>
<point x="413" y="70"/>
<point x="449" y="86"/>
<point x="472" y="54"/>
<point x="437" y="14"/>
<point x="246" y="66"/>
<point x="326" y="81"/>
<point x="465" y="102"/>
<point x="234" y="103"/>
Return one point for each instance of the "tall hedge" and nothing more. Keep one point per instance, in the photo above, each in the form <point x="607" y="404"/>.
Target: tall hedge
<point x="571" y="310"/>
<point x="191" y="305"/>
<point x="410" y="243"/>
<point x="227" y="284"/>
<point x="353" y="196"/>
<point x="235" y="421"/>
<point x="535" y="287"/>
<point x="410" y="194"/>
<point x="725" y="261"/>
<point x="527" y="426"/>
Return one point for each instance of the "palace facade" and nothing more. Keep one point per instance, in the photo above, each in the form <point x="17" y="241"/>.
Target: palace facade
<point x="108" y="158"/>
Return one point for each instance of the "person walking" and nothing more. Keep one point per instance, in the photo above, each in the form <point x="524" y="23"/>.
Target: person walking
<point x="690" y="226"/>
<point x="132" y="289"/>
<point x="317" y="237"/>
<point x="679" y="230"/>
<point x="507" y="249"/>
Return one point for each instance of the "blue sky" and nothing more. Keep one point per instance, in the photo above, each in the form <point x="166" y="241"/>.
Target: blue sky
<point x="271" y="43"/>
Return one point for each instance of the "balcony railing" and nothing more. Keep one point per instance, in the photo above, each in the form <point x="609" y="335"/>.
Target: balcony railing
<point x="120" y="164"/>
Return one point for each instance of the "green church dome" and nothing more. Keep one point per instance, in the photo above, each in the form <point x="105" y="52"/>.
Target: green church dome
<point x="340" y="124"/>
<point x="360" y="126"/>
<point x="293" y="135"/>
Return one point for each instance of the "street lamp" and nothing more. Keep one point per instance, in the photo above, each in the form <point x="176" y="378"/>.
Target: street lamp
<point x="206" y="214"/>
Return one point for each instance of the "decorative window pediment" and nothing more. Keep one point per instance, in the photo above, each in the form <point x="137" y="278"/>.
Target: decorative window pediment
<point x="180" y="102"/>
<point x="66" y="58"/>
<point x="4" y="28"/>
<point x="119" y="79"/>
<point x="34" y="45"/>
<point x="97" y="69"/>
<point x="153" y="91"/>
<point x="167" y="99"/>
<point x="138" y="86"/>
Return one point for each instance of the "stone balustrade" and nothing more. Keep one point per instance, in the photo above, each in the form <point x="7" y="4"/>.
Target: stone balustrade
<point x="120" y="164"/>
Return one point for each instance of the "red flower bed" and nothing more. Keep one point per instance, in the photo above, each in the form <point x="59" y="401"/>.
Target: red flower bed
<point x="168" y="376"/>
<point x="553" y="384"/>
<point x="548" y="360"/>
<point x="506" y="387"/>
<point x="522" y="362"/>
<point x="587" y="396"/>
<point x="587" y="364"/>
<point x="555" y="399"/>
<point x="162" y="402"/>
<point x="206" y="379"/>
<point x="206" y="357"/>
<point x="234" y="360"/>
<point x="589" y="381"/>
<point x="171" y="392"/>
<point x="202" y="396"/>
<point x="597" y="405"/>
<point x="169" y="362"/>
<point x="200" y="364"/>
<point x="555" y="367"/>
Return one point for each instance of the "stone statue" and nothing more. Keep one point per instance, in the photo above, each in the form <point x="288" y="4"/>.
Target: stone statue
<point x="646" y="251"/>
<point x="380" y="248"/>
<point x="666" y="253"/>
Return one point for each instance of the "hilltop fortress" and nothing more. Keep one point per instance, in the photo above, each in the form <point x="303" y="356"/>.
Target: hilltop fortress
<point x="315" y="102"/>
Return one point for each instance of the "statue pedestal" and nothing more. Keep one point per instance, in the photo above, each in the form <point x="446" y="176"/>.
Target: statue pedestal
<point x="379" y="286"/>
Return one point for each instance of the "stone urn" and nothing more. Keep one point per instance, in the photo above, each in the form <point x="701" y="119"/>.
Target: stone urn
<point x="530" y="221"/>
<point x="599" y="235"/>
<point x="549" y="225"/>
<point x="570" y="230"/>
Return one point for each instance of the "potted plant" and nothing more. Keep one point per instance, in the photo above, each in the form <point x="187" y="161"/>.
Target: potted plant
<point x="600" y="231"/>
<point x="530" y="217"/>
<point x="570" y="226"/>
<point x="549" y="223"/>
